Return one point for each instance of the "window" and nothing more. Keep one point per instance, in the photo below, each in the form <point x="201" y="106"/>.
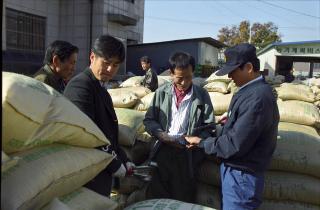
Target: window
<point x="25" y="31"/>
<point x="132" y="1"/>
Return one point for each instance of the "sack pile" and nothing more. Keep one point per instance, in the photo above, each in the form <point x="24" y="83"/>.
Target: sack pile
<point x="47" y="145"/>
<point x="221" y="90"/>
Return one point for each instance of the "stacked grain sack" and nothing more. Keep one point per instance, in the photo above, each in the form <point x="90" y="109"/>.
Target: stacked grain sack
<point x="131" y="101"/>
<point x="221" y="90"/>
<point x="155" y="204"/>
<point x="315" y="87"/>
<point x="293" y="179"/>
<point x="47" y="145"/>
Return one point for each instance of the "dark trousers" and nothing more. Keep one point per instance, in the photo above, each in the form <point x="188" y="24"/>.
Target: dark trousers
<point x="172" y="179"/>
<point x="101" y="184"/>
<point x="240" y="190"/>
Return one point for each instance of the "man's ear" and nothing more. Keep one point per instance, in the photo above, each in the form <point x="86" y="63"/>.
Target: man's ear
<point x="55" y="61"/>
<point x="91" y="57"/>
<point x="249" y="66"/>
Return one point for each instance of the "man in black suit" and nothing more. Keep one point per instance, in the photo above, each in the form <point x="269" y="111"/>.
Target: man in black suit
<point x="86" y="91"/>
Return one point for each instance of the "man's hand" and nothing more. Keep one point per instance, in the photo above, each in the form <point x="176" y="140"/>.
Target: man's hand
<point x="224" y="118"/>
<point x="130" y="166"/>
<point x="193" y="140"/>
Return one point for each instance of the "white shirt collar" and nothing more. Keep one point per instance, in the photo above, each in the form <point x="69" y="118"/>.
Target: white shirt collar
<point x="252" y="81"/>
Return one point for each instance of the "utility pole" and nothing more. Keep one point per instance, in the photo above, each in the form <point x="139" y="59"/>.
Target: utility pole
<point x="249" y="33"/>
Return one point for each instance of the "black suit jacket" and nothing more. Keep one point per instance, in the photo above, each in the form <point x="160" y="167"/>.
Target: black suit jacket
<point x="85" y="91"/>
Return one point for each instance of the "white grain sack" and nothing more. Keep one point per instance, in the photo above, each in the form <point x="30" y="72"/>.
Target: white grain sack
<point x="50" y="171"/>
<point x="35" y="114"/>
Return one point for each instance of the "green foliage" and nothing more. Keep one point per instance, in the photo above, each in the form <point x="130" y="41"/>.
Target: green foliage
<point x="261" y="34"/>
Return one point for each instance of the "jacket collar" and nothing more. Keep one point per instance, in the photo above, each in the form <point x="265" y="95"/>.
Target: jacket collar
<point x="194" y="98"/>
<point x="48" y="69"/>
<point x="252" y="84"/>
<point x="101" y="91"/>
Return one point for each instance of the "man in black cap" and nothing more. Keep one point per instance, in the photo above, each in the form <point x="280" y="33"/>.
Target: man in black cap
<point x="249" y="135"/>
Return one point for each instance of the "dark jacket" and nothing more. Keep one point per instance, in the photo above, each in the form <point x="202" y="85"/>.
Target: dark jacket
<point x="150" y="80"/>
<point x="248" y="138"/>
<point x="46" y="76"/>
<point x="85" y="91"/>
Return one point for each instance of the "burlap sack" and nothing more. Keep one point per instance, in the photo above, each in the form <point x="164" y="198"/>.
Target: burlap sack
<point x="155" y="204"/>
<point x="214" y="78"/>
<point x="35" y="114"/>
<point x="290" y="91"/>
<point x="220" y="102"/>
<point x="297" y="150"/>
<point x="274" y="80"/>
<point x="50" y="171"/>
<point x="127" y="185"/>
<point x="314" y="82"/>
<point x="163" y="80"/>
<point x="82" y="199"/>
<point x="220" y="87"/>
<point x="290" y="186"/>
<point x="139" y="152"/>
<point x="315" y="90"/>
<point x="138" y="91"/>
<point x="123" y="98"/>
<point x="232" y="87"/>
<point x="287" y="205"/>
<point x="130" y="124"/>
<point x="144" y="103"/>
<point x="132" y="81"/>
<point x="7" y="162"/>
<point x="278" y="185"/>
<point x="144" y="137"/>
<point x="299" y="112"/>
<point x="208" y="196"/>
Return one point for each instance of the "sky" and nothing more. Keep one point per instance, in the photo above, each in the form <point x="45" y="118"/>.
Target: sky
<point x="164" y="20"/>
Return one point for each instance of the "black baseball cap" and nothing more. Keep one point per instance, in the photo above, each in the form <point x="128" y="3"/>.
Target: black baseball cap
<point x="237" y="56"/>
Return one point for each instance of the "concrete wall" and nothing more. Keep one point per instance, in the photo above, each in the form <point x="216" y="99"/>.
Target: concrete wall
<point x="159" y="54"/>
<point x="268" y="61"/>
<point x="208" y="54"/>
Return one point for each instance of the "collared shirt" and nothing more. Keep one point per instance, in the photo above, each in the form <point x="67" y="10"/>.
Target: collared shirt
<point x="252" y="81"/>
<point x="180" y="115"/>
<point x="180" y="94"/>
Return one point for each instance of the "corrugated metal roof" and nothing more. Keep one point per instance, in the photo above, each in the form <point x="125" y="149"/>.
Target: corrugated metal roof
<point x="208" y="40"/>
<point x="286" y="44"/>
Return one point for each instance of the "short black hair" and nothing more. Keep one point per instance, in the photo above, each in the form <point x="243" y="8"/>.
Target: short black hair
<point x="255" y="64"/>
<point x="107" y="46"/>
<point x="145" y="59"/>
<point x="181" y="60"/>
<point x="60" y="48"/>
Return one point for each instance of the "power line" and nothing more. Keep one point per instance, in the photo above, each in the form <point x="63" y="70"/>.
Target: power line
<point x="220" y="24"/>
<point x="185" y="21"/>
<point x="288" y="9"/>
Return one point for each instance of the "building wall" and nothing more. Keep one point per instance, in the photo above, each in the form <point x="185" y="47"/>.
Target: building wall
<point x="268" y="61"/>
<point x="69" y="20"/>
<point x="159" y="54"/>
<point x="208" y="54"/>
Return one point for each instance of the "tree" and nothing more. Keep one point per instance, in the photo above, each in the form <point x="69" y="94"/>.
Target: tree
<point x="261" y="34"/>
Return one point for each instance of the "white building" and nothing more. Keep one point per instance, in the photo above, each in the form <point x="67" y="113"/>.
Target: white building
<point x="280" y="58"/>
<point x="30" y="25"/>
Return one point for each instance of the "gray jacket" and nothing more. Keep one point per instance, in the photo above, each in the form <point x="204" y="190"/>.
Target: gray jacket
<point x="158" y="115"/>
